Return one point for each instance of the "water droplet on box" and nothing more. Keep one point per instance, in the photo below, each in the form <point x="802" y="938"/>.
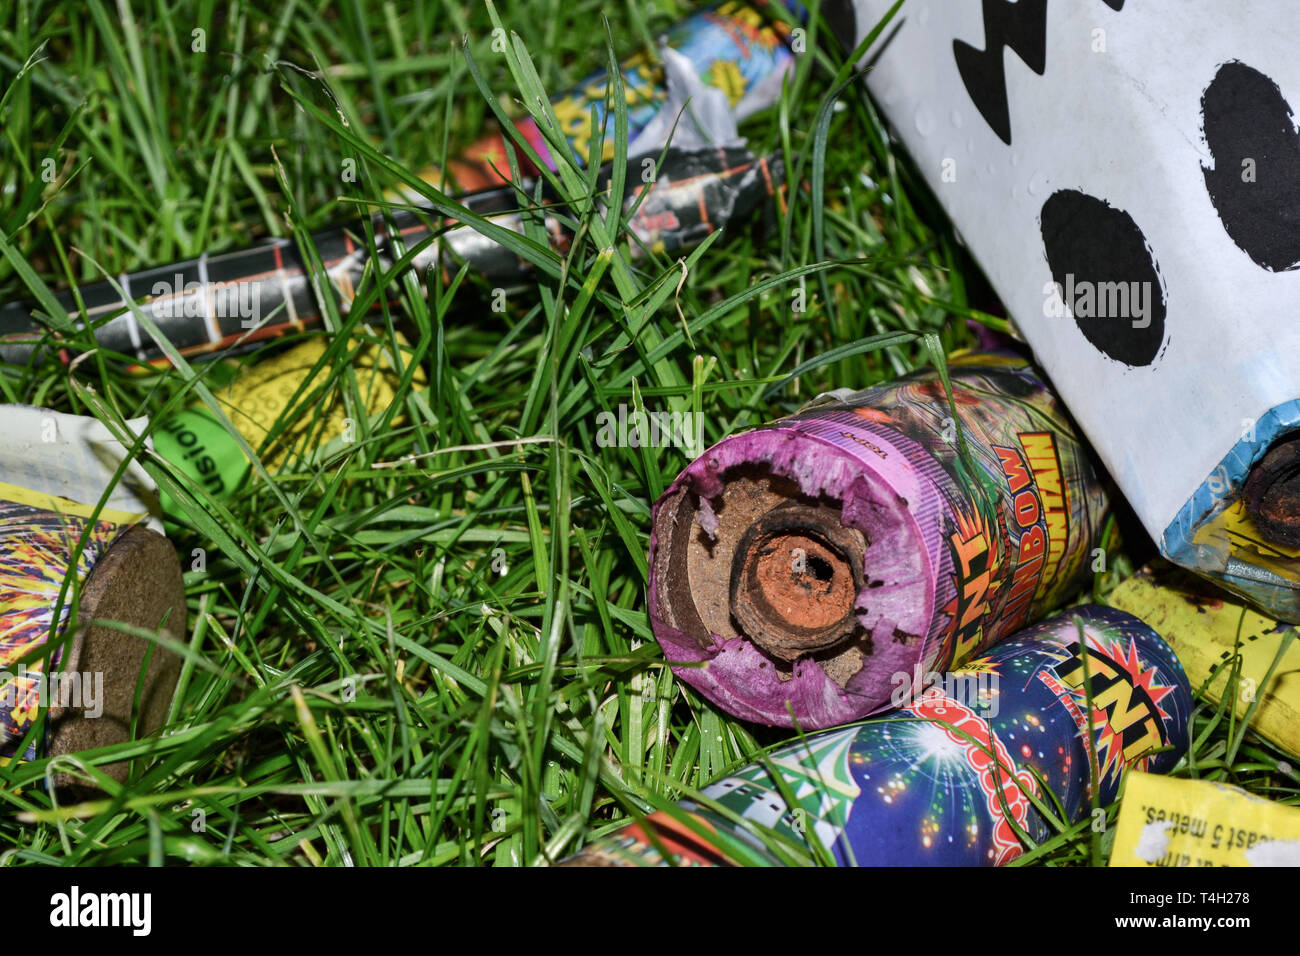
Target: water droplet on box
<point x="924" y="121"/>
<point x="955" y="117"/>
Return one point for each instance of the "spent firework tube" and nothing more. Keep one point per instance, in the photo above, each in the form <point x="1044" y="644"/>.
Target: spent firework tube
<point x="61" y="531"/>
<point x="1128" y="176"/>
<point x="950" y="779"/>
<point x="217" y="302"/>
<point x="802" y="571"/>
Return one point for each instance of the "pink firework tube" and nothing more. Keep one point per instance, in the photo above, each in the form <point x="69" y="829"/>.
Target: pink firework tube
<point x="814" y="569"/>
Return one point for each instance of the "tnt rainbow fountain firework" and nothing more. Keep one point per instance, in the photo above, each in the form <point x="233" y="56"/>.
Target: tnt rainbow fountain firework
<point x="807" y="563"/>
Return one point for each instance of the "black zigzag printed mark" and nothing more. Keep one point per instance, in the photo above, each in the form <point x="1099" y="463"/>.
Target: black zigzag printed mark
<point x="1020" y="27"/>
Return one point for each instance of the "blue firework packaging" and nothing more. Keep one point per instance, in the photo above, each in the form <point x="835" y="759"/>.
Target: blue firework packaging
<point x="928" y="789"/>
<point x="951" y="778"/>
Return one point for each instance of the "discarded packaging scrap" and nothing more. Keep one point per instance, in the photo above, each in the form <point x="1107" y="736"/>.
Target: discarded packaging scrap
<point x="1164" y="821"/>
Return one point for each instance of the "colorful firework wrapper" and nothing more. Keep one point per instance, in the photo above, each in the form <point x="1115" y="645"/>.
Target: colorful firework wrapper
<point x="805" y="571"/>
<point x="950" y="779"/>
<point x="1137" y="211"/>
<point x="39" y="535"/>
<point x="1216" y="636"/>
<point x="226" y="301"/>
<point x="716" y="68"/>
<point x="1168" y="822"/>
<point x="75" y="516"/>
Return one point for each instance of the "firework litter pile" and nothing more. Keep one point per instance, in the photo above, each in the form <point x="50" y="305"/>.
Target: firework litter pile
<point x="950" y="779"/>
<point x="809" y="563"/>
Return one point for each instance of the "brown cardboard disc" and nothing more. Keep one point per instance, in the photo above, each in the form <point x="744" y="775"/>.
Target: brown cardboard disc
<point x="714" y="584"/>
<point x="136" y="582"/>
<point x="794" y="580"/>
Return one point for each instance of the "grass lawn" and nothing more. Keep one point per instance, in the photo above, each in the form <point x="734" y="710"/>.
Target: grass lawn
<point x="445" y="658"/>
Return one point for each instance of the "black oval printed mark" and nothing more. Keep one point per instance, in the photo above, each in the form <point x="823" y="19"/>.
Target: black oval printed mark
<point x="1255" y="182"/>
<point x="1106" y="275"/>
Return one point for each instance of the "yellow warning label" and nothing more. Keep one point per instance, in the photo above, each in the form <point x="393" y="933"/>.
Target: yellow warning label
<point x="1164" y="821"/>
<point x="1203" y="626"/>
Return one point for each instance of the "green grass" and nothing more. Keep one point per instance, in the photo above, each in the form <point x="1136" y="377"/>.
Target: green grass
<point x="500" y="717"/>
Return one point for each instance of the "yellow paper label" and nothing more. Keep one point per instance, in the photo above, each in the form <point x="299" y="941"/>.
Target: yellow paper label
<point x="1202" y="624"/>
<point x="1164" y="821"/>
<point x="65" y="506"/>
<point x="256" y="400"/>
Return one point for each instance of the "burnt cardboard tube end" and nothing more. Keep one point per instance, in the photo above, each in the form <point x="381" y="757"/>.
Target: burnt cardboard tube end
<point x="136" y="582"/>
<point x="794" y="580"/>
<point x="1272" y="492"/>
